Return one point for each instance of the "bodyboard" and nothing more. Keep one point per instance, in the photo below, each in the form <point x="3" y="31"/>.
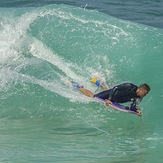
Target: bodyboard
<point x="116" y="106"/>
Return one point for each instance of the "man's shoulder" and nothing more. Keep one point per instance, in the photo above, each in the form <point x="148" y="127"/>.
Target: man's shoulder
<point x="129" y="85"/>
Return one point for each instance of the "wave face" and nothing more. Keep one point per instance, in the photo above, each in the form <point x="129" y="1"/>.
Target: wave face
<point x="43" y="119"/>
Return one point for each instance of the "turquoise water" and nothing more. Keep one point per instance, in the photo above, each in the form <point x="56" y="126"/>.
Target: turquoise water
<point x="44" y="120"/>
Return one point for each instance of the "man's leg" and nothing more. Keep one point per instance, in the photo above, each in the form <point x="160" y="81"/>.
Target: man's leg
<point x="104" y="87"/>
<point x="87" y="92"/>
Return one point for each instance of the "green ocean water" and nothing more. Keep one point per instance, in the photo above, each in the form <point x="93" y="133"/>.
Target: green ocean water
<point x="44" y="120"/>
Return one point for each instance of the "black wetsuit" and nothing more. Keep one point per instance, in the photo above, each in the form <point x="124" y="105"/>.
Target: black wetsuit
<point x="122" y="93"/>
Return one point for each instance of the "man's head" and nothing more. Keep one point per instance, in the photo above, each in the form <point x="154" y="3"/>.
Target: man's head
<point x="143" y="90"/>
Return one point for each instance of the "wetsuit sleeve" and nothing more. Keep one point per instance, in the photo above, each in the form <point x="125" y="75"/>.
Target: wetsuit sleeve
<point x="133" y="107"/>
<point x="135" y="104"/>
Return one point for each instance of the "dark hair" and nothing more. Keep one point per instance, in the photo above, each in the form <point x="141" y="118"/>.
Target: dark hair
<point x="145" y="87"/>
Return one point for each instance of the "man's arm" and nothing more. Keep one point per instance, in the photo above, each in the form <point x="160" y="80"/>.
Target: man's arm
<point x="104" y="88"/>
<point x="134" y="106"/>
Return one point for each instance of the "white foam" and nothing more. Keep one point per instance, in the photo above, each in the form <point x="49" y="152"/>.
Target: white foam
<point x="13" y="34"/>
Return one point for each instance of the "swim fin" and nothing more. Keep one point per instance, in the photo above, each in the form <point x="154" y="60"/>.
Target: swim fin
<point x="97" y="82"/>
<point x="75" y="85"/>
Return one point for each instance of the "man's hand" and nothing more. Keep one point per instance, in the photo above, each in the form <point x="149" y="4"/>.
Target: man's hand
<point x="139" y="113"/>
<point x="108" y="102"/>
